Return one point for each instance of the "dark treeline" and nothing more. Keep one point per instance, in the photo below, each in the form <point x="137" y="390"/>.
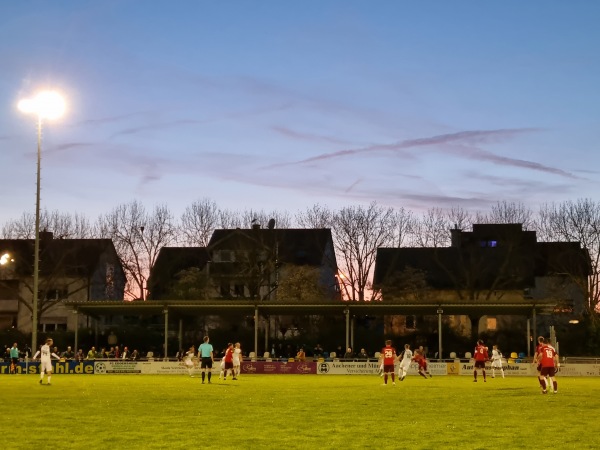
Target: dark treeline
<point x="139" y="233"/>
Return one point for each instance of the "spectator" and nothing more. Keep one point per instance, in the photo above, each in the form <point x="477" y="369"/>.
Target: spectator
<point x="363" y="354"/>
<point x="349" y="353"/>
<point x="135" y="355"/>
<point x="125" y="354"/>
<point x="68" y="354"/>
<point x="14" y="358"/>
<point x="80" y="356"/>
<point x="318" y="351"/>
<point x="301" y="356"/>
<point x="92" y="353"/>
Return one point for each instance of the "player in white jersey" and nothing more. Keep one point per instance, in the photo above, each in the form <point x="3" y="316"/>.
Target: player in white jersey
<point x="190" y="360"/>
<point x="46" y="355"/>
<point x="407" y="356"/>
<point x="237" y="360"/>
<point x="496" y="361"/>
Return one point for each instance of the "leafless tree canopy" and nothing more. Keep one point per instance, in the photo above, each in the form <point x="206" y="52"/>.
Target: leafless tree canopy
<point x="317" y="216"/>
<point x="359" y="231"/>
<point x="138" y="237"/>
<point x="577" y="221"/>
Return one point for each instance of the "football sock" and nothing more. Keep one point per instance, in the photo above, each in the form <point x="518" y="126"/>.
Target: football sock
<point x="203" y="376"/>
<point x="209" y="375"/>
<point x="555" y="385"/>
<point x="475" y="374"/>
<point x="49" y="378"/>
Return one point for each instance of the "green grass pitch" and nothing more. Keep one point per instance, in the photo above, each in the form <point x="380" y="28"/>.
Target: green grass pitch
<point x="297" y="412"/>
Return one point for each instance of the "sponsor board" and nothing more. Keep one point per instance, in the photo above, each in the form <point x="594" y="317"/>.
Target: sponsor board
<point x="371" y="368"/>
<point x="279" y="368"/>
<point x="58" y="367"/>
<point x="105" y="367"/>
<point x="520" y="369"/>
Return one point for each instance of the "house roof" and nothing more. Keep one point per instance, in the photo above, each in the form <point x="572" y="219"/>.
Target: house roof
<point x="298" y="246"/>
<point x="73" y="257"/>
<point x="517" y="265"/>
<point x="169" y="262"/>
<point x="193" y="308"/>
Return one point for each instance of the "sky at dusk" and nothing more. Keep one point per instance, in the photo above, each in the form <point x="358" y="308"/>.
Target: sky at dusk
<point x="279" y="105"/>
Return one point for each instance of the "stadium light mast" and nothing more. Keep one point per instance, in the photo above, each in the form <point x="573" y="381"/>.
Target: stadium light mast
<point x="46" y="105"/>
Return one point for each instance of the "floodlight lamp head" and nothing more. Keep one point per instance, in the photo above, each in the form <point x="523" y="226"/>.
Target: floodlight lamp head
<point x="46" y="105"/>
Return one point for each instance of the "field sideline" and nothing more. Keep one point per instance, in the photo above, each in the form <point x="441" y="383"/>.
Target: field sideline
<point x="297" y="411"/>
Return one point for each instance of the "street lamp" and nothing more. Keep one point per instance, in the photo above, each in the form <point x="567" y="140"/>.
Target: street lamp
<point x="45" y="105"/>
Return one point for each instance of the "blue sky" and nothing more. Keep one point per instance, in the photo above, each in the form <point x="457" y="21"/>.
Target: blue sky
<point x="284" y="104"/>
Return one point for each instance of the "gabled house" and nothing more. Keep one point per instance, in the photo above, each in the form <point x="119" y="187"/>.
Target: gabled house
<point x="170" y="265"/>
<point x="250" y="264"/>
<point x="495" y="267"/>
<point x="69" y="269"/>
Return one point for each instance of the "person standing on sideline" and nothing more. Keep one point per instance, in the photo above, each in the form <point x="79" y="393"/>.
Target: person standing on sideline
<point x="14" y="358"/>
<point x="206" y="354"/>
<point x="496" y="361"/>
<point x="481" y="356"/>
<point x="548" y="359"/>
<point x="388" y="354"/>
<point x="46" y="360"/>
<point x="405" y="360"/>
<point x="237" y="360"/>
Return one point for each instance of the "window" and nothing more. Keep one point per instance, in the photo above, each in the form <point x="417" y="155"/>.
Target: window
<point x="226" y="256"/>
<point x="411" y="322"/>
<point x="491" y="323"/>
<point x="54" y="294"/>
<point x="225" y="289"/>
<point x="238" y="290"/>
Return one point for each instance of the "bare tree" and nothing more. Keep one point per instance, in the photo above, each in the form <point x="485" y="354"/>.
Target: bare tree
<point x="577" y="221"/>
<point x="459" y="218"/>
<point x="251" y="217"/>
<point x="138" y="237"/>
<point x="229" y="220"/>
<point x="62" y="225"/>
<point x="198" y="221"/>
<point x="509" y="212"/>
<point x="315" y="217"/>
<point x="358" y="232"/>
<point x="431" y="229"/>
<point x="403" y="220"/>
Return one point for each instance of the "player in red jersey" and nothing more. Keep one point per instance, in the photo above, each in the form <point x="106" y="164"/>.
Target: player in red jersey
<point x="388" y="355"/>
<point x="228" y="361"/>
<point x="537" y="361"/>
<point x="481" y="356"/>
<point x="420" y="359"/>
<point x="548" y="359"/>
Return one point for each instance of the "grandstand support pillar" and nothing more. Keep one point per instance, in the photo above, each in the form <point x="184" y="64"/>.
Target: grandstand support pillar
<point x="75" y="347"/>
<point x="166" y="343"/>
<point x="439" y="313"/>
<point x="267" y="332"/>
<point x="528" y="337"/>
<point x="347" y="313"/>
<point x="256" y="330"/>
<point x="352" y="332"/>
<point x="534" y="321"/>
<point x="180" y="334"/>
